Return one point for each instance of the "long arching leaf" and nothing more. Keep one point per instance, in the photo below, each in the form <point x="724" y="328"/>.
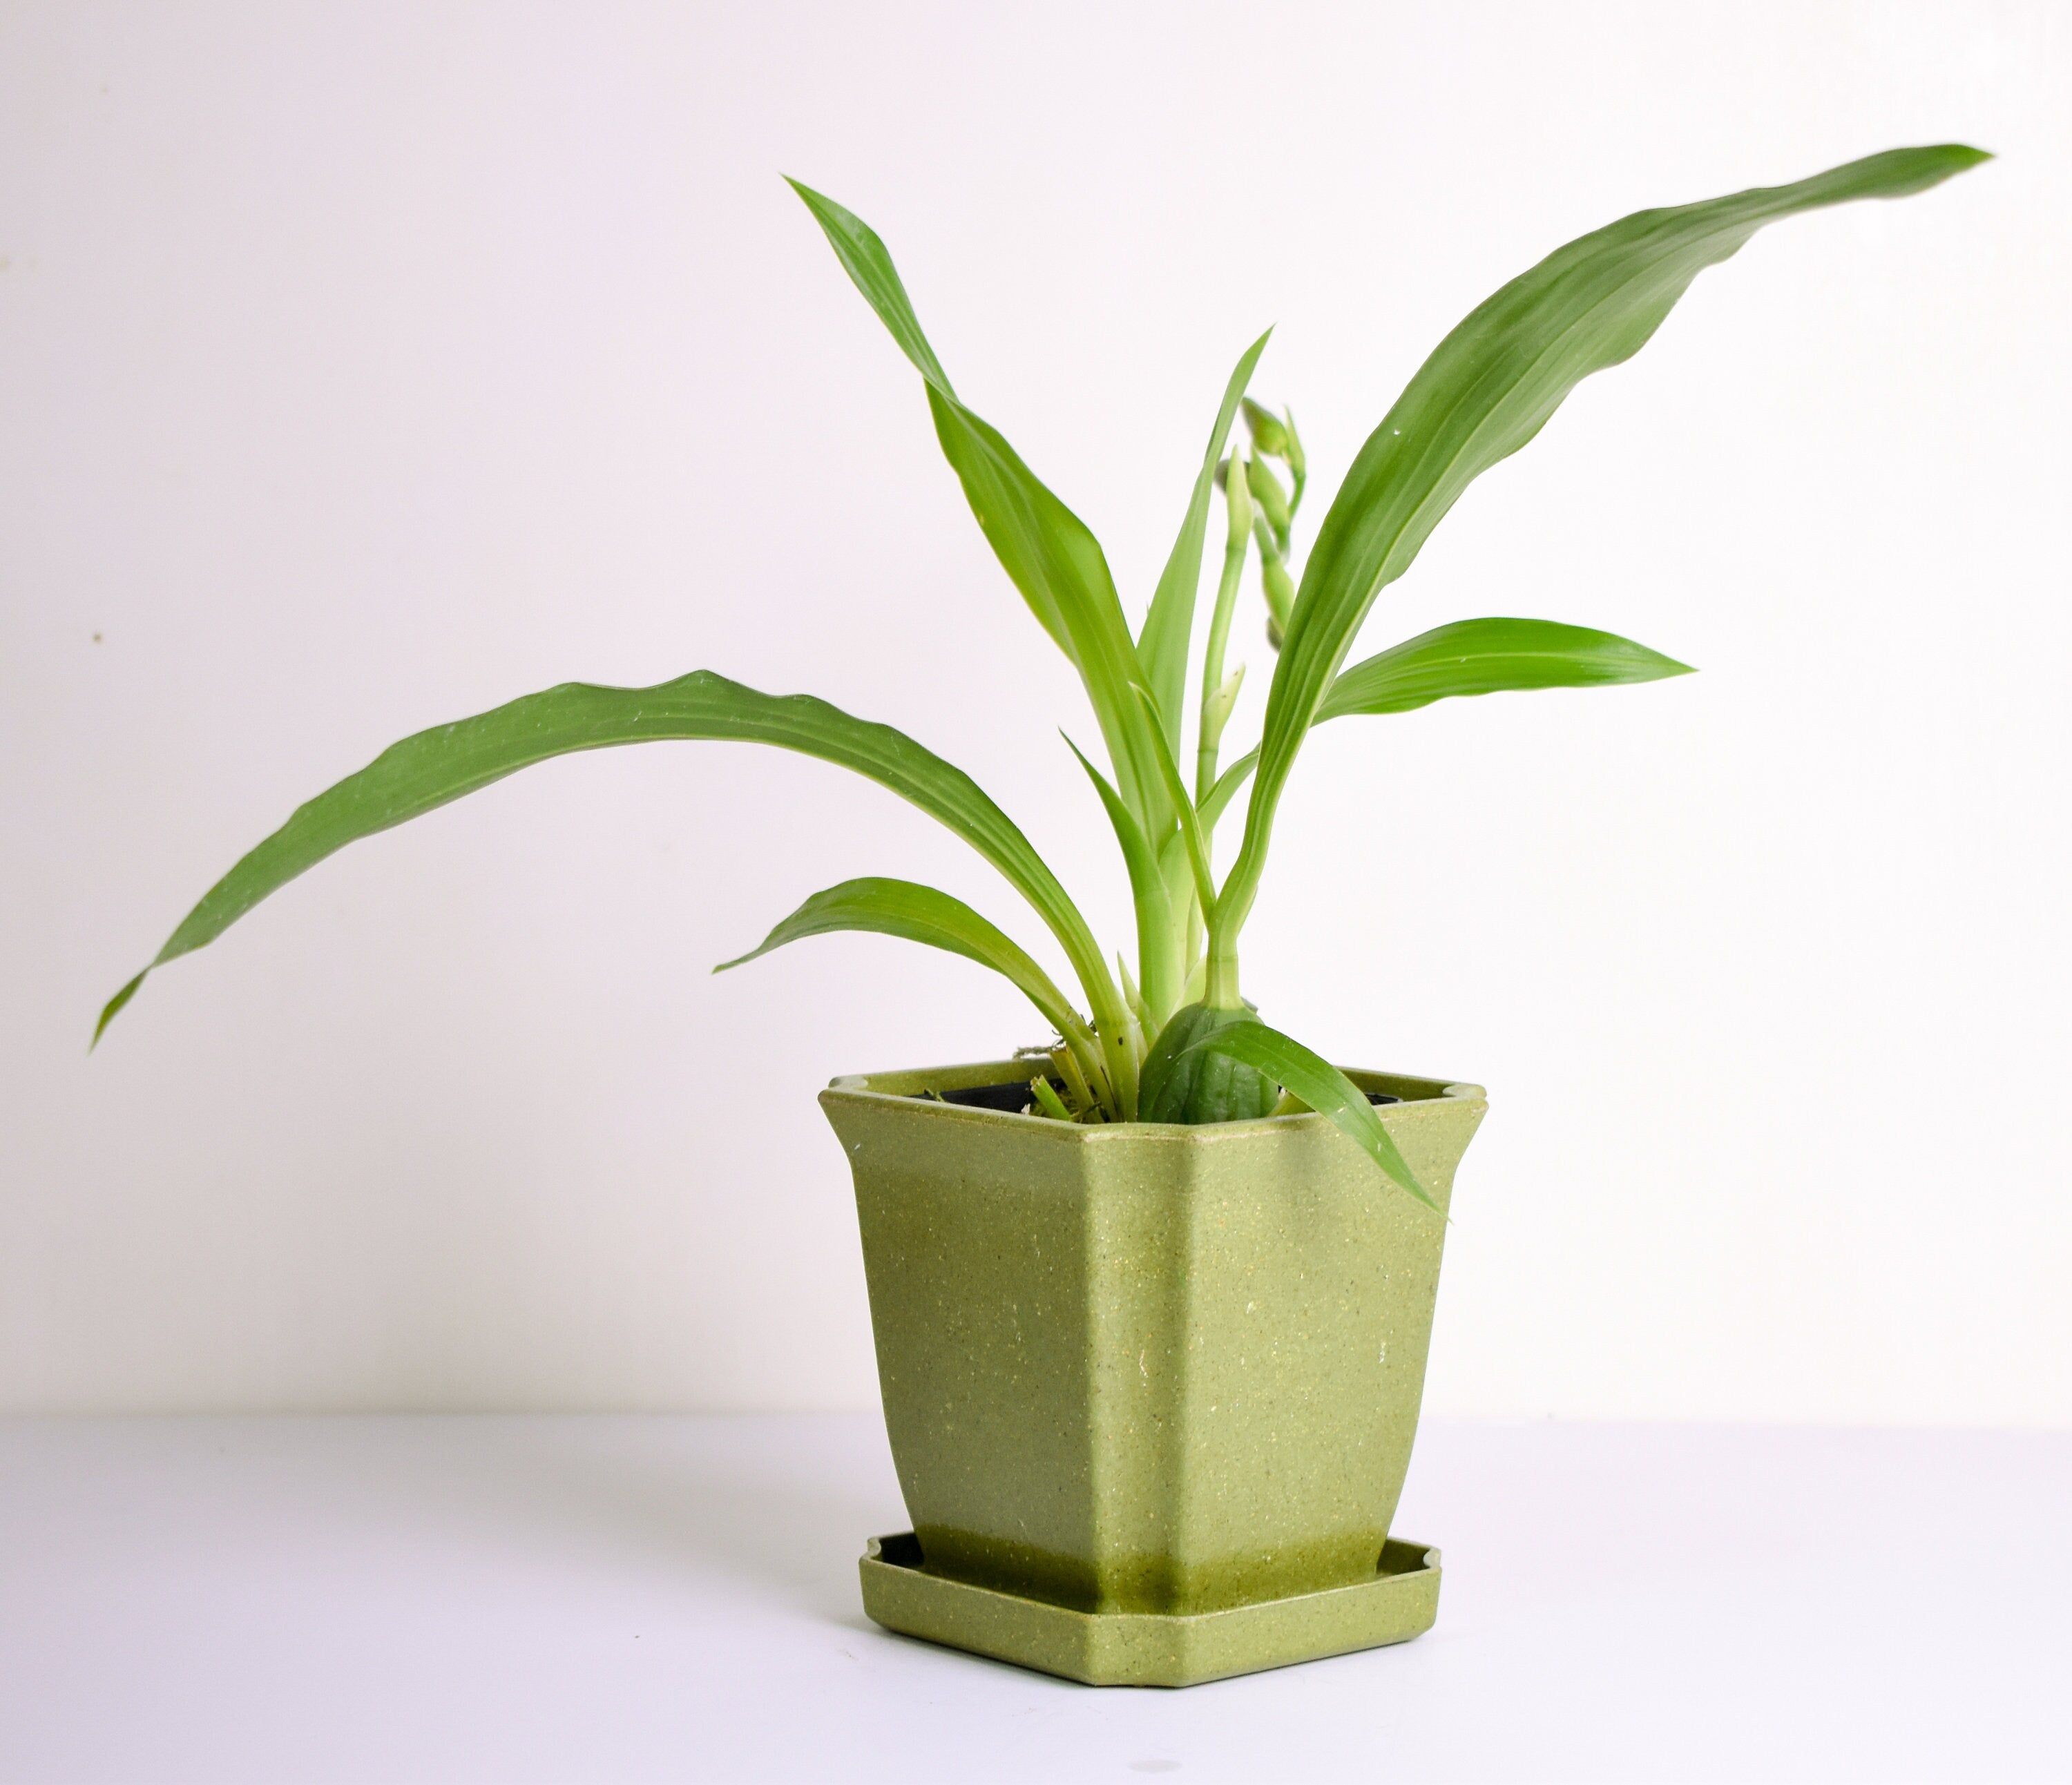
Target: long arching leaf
<point x="1487" y="390"/>
<point x="427" y="770"/>
<point x="1168" y="628"/>
<point x="921" y="914"/>
<point x="1047" y="551"/>
<point x="1492" y="656"/>
<point x="1317" y="1083"/>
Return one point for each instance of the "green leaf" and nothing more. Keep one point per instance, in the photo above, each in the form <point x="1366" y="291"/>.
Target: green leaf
<point x="1156" y="951"/>
<point x="1047" y="551"/>
<point x="427" y="770"/>
<point x="1168" y="628"/>
<point x="1190" y="824"/>
<point x="1272" y="498"/>
<point x="1487" y="390"/>
<point x="1317" y="1083"/>
<point x="922" y="914"/>
<point x="1226" y="788"/>
<point x="1219" y="706"/>
<point x="1133" y="996"/>
<point x="1184" y="1081"/>
<point x="1492" y="656"/>
<point x="869" y="263"/>
<point x="1047" y="1100"/>
<point x="1269" y="433"/>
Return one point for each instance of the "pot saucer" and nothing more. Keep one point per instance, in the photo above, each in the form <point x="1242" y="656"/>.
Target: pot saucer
<point x="1134" y="1648"/>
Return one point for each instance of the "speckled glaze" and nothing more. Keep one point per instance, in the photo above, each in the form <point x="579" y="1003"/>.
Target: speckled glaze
<point x="1147" y="1368"/>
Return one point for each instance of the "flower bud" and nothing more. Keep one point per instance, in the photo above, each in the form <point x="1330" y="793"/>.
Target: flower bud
<point x="1221" y="702"/>
<point x="1268" y="434"/>
<point x="1280" y="594"/>
<point x="1240" y="497"/>
<point x="1294" y="458"/>
<point x="1272" y="498"/>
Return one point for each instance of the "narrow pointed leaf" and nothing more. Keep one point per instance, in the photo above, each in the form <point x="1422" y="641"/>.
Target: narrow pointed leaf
<point x="113" y="1008"/>
<point x="1492" y="656"/>
<point x="1137" y="855"/>
<point x="1047" y="1100"/>
<point x="1190" y="823"/>
<point x="869" y="263"/>
<point x="1320" y="1085"/>
<point x="1048" y="552"/>
<point x="1226" y="786"/>
<point x="1168" y="628"/>
<point x="1148" y="890"/>
<point x="1133" y="996"/>
<point x="427" y="771"/>
<point x="1487" y="390"/>
<point x="922" y="914"/>
<point x="1059" y="566"/>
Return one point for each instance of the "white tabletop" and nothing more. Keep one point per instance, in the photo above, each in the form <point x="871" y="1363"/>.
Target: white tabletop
<point x="658" y="1599"/>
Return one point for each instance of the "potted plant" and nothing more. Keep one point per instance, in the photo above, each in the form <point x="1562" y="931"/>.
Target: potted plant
<point x="1152" y="1304"/>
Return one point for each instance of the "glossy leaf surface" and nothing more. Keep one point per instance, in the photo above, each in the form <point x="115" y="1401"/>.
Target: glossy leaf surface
<point x="1157" y="957"/>
<point x="1493" y="656"/>
<point x="1046" y="550"/>
<point x="922" y="914"/>
<point x="1316" y="1082"/>
<point x="1226" y="788"/>
<point x="1170" y="626"/>
<point x="1187" y="1082"/>
<point x="1469" y="657"/>
<point x="428" y="770"/>
<point x="1191" y="838"/>
<point x="1486" y="391"/>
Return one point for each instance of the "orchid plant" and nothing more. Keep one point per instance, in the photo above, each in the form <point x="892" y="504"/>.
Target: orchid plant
<point x="1174" y="1040"/>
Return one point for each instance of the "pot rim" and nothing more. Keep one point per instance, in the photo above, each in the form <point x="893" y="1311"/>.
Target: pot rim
<point x="903" y="1087"/>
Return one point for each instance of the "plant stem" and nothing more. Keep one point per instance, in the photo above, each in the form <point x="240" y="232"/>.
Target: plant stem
<point x="1234" y="903"/>
<point x="1047" y="1100"/>
<point x="1197" y="930"/>
<point x="1176" y="873"/>
<point x="1221" y="991"/>
<point x="1191" y="828"/>
<point x="1219" y="985"/>
<point x="1161" y="942"/>
<point x="1237" y="542"/>
<point x="1125" y="1056"/>
<point x="1212" y="663"/>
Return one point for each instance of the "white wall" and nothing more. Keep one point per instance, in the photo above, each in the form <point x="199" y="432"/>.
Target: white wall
<point x="361" y="367"/>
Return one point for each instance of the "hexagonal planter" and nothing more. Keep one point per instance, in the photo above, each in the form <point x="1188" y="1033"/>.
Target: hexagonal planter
<point x="1151" y="1390"/>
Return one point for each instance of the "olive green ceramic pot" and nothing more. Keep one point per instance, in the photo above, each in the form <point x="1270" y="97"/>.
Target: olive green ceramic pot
<point x="1147" y="1371"/>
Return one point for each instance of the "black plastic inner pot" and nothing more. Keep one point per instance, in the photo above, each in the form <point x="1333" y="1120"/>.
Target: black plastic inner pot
<point x="1013" y="1097"/>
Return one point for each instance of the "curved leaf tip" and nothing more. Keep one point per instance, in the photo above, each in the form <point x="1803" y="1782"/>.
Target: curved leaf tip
<point x="922" y="914"/>
<point x="1956" y="157"/>
<point x="1485" y="392"/>
<point x="113" y="1008"/>
<point x="1492" y="656"/>
<point x="1313" y="1080"/>
<point x="434" y="768"/>
<point x="868" y="262"/>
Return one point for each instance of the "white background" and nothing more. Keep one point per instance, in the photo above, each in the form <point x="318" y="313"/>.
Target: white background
<point x="363" y="367"/>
